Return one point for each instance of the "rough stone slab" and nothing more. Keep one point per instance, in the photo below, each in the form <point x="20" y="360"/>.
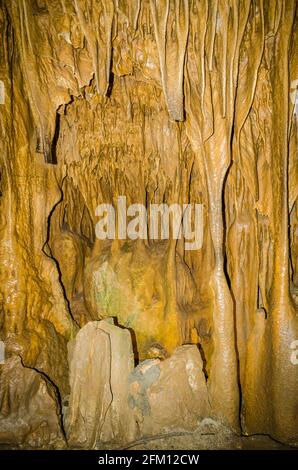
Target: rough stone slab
<point x="101" y="359"/>
<point x="119" y="423"/>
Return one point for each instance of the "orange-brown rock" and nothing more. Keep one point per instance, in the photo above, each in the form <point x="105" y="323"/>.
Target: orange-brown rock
<point x="169" y="101"/>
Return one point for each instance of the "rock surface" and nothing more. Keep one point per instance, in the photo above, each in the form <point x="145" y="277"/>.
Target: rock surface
<point x="169" y="101"/>
<point x="170" y="395"/>
<point x="29" y="408"/>
<point x="100" y="361"/>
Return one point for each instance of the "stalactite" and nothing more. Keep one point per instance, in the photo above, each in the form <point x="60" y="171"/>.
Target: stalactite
<point x="96" y="21"/>
<point x="163" y="102"/>
<point x="171" y="24"/>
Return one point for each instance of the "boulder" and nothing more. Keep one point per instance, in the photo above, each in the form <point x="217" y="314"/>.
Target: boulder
<point x="170" y="395"/>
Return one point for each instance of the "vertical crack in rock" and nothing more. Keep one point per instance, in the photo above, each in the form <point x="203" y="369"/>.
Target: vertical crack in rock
<point x="57" y="394"/>
<point x="47" y="250"/>
<point x="30" y="407"/>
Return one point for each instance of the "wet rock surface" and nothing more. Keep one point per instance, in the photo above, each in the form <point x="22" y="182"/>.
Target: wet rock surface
<point x="162" y="102"/>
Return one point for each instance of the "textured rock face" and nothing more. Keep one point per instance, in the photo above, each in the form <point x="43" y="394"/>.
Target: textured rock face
<point x="100" y="360"/>
<point x="170" y="101"/>
<point x="170" y="395"/>
<point x="111" y="402"/>
<point x="29" y="408"/>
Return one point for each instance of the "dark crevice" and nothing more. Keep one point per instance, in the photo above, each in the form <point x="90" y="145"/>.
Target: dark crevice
<point x="228" y="279"/>
<point x="111" y="77"/>
<point x="204" y="361"/>
<point x="47" y="251"/>
<point x="50" y="150"/>
<point x="133" y="340"/>
<point x="110" y="86"/>
<point x="56" y="390"/>
<point x="53" y="152"/>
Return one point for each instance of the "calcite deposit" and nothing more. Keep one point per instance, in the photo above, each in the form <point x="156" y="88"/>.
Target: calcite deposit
<point x="163" y="102"/>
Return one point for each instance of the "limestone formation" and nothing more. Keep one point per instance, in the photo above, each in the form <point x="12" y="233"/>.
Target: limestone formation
<point x="111" y="402"/>
<point x="100" y="361"/>
<point x="163" y="102"/>
<point x="170" y="395"/>
<point x="30" y="412"/>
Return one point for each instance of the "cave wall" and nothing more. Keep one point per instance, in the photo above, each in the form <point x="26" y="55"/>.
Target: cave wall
<point x="173" y="101"/>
